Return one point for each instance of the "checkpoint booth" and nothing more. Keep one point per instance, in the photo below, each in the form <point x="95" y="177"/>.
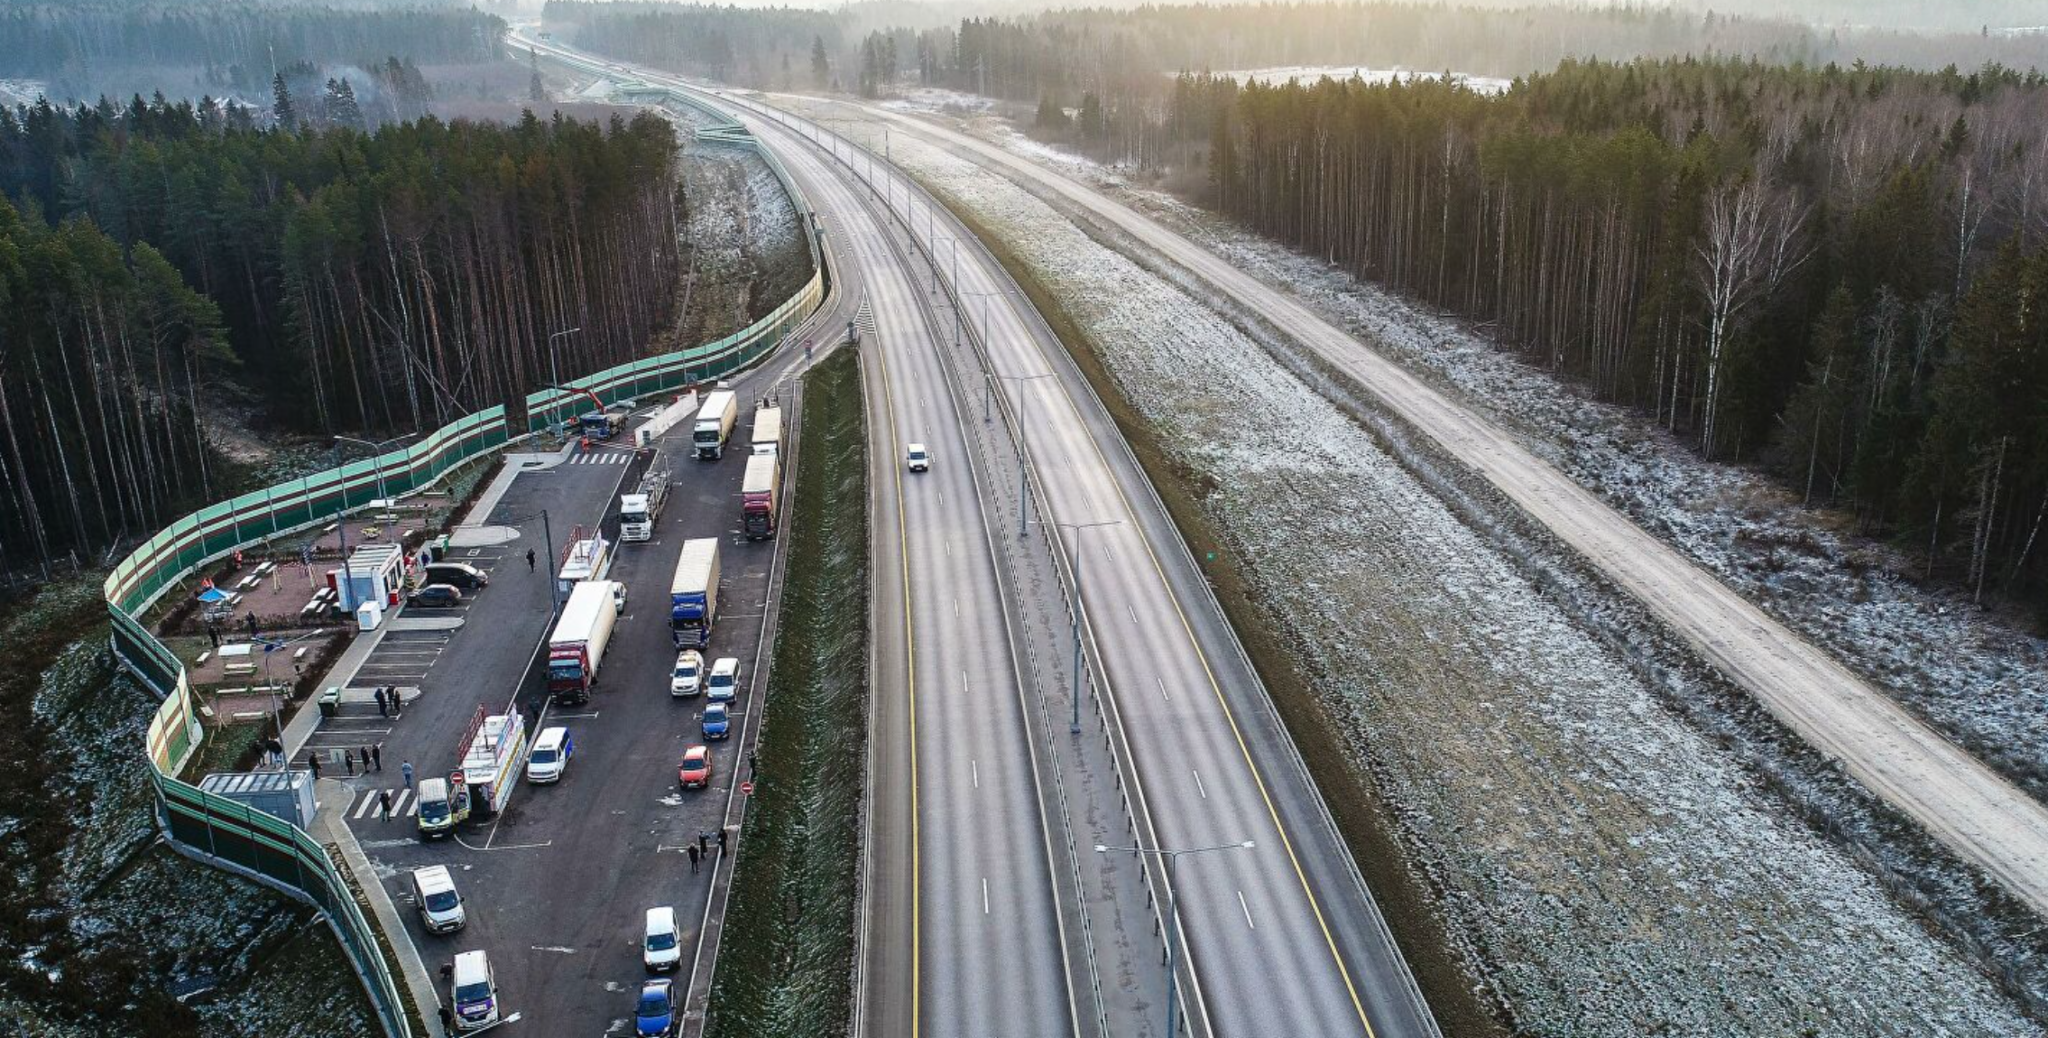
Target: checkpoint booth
<point x="370" y="583"/>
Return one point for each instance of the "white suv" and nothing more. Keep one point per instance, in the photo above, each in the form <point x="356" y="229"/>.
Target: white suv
<point x="687" y="679"/>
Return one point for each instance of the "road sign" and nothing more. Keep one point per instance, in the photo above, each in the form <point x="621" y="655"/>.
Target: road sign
<point x="747" y="788"/>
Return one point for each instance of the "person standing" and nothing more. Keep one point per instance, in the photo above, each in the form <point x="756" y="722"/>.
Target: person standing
<point x="384" y="803"/>
<point x="693" y="859"/>
<point x="703" y="842"/>
<point x="313" y="762"/>
<point x="348" y="760"/>
<point x="381" y="712"/>
<point x="213" y="632"/>
<point x="529" y="560"/>
<point x="377" y="754"/>
<point x="721" y="839"/>
<point x="405" y="769"/>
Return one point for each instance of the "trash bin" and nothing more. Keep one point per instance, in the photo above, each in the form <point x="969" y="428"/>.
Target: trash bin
<point x="330" y="701"/>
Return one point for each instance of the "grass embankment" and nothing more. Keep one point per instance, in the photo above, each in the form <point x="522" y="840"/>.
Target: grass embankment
<point x="786" y="965"/>
<point x="1362" y="818"/>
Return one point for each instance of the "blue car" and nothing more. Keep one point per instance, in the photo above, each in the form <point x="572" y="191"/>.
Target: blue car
<point x="717" y="722"/>
<point x="655" y="1016"/>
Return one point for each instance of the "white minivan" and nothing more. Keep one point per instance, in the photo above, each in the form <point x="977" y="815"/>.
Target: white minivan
<point x="474" y="990"/>
<point x="662" y="946"/>
<point x="440" y="906"/>
<point x="550" y="756"/>
<point x="723" y="686"/>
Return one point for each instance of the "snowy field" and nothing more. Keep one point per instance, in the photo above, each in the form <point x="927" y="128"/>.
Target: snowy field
<point x="1307" y="75"/>
<point x="1608" y="869"/>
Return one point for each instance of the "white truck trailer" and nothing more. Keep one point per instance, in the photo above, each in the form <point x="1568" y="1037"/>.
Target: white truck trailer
<point x="576" y="648"/>
<point x="714" y="424"/>
<point x="768" y="430"/>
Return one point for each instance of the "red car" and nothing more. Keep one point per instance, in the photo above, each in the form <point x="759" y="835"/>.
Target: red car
<point x="696" y="769"/>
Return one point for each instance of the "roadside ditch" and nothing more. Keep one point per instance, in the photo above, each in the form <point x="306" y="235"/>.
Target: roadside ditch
<point x="786" y="961"/>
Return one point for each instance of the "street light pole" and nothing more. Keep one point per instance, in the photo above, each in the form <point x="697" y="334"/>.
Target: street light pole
<point x="1080" y="675"/>
<point x="555" y="369"/>
<point x="1173" y="915"/>
<point x="376" y="452"/>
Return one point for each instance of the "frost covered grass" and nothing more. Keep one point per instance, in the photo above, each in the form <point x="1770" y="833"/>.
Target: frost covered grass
<point x="103" y="930"/>
<point x="786" y="963"/>
<point x="1974" y="675"/>
<point x="1604" y="865"/>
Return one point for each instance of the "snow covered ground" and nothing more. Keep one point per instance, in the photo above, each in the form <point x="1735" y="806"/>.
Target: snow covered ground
<point x="749" y="253"/>
<point x="1606" y="867"/>
<point x="135" y="920"/>
<point x="1307" y="75"/>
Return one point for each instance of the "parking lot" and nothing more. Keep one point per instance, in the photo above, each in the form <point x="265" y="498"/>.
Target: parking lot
<point x="556" y="885"/>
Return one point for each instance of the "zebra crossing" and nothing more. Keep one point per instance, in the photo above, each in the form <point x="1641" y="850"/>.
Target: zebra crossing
<point x="403" y="805"/>
<point x="607" y="457"/>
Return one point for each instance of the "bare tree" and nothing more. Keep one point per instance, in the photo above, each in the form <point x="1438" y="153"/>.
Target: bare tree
<point x="1751" y="243"/>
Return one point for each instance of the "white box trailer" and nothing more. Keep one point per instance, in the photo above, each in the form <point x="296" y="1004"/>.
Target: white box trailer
<point x="576" y="648"/>
<point x="767" y="430"/>
<point x="714" y="424"/>
<point x="693" y="594"/>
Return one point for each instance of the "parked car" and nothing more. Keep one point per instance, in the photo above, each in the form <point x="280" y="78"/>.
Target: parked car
<point x="433" y="889"/>
<point x="436" y="595"/>
<point x="918" y="457"/>
<point x="661" y="944"/>
<point x="717" y="722"/>
<point x="460" y="574"/>
<point x="655" y="1016"/>
<point x="687" y="679"/>
<point x="550" y="755"/>
<point x="696" y="770"/>
<point x="723" y="686"/>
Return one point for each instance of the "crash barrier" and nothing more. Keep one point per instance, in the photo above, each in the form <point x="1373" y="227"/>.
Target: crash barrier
<point x="240" y="839"/>
<point x="226" y="832"/>
<point x="670" y="371"/>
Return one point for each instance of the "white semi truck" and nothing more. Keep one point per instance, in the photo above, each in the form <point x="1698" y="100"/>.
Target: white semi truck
<point x="641" y="509"/>
<point x="576" y="648"/>
<point x="714" y="424"/>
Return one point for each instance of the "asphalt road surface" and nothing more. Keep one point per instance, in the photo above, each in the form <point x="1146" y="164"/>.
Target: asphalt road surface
<point x="556" y="886"/>
<point x="1979" y="814"/>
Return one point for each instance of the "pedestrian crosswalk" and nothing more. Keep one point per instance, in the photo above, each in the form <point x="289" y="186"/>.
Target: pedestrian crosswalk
<point x="602" y="458"/>
<point x="371" y="806"/>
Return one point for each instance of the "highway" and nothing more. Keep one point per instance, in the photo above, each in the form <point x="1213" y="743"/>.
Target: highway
<point x="1215" y="766"/>
<point x="1280" y="937"/>
<point x="963" y="922"/>
<point x="1978" y="814"/>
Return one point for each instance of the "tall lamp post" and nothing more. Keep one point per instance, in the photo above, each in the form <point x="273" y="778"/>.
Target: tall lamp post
<point x="555" y="369"/>
<point x="348" y="576"/>
<point x="1077" y="529"/>
<point x="270" y="646"/>
<point x="1173" y="914"/>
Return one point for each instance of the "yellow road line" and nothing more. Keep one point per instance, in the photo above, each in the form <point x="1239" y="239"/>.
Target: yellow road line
<point x="910" y="665"/>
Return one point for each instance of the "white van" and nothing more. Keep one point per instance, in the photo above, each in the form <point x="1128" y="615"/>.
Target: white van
<point x="550" y="755"/>
<point x="662" y="946"/>
<point x="440" y="906"/>
<point x="474" y="991"/>
<point x="723" y="686"/>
